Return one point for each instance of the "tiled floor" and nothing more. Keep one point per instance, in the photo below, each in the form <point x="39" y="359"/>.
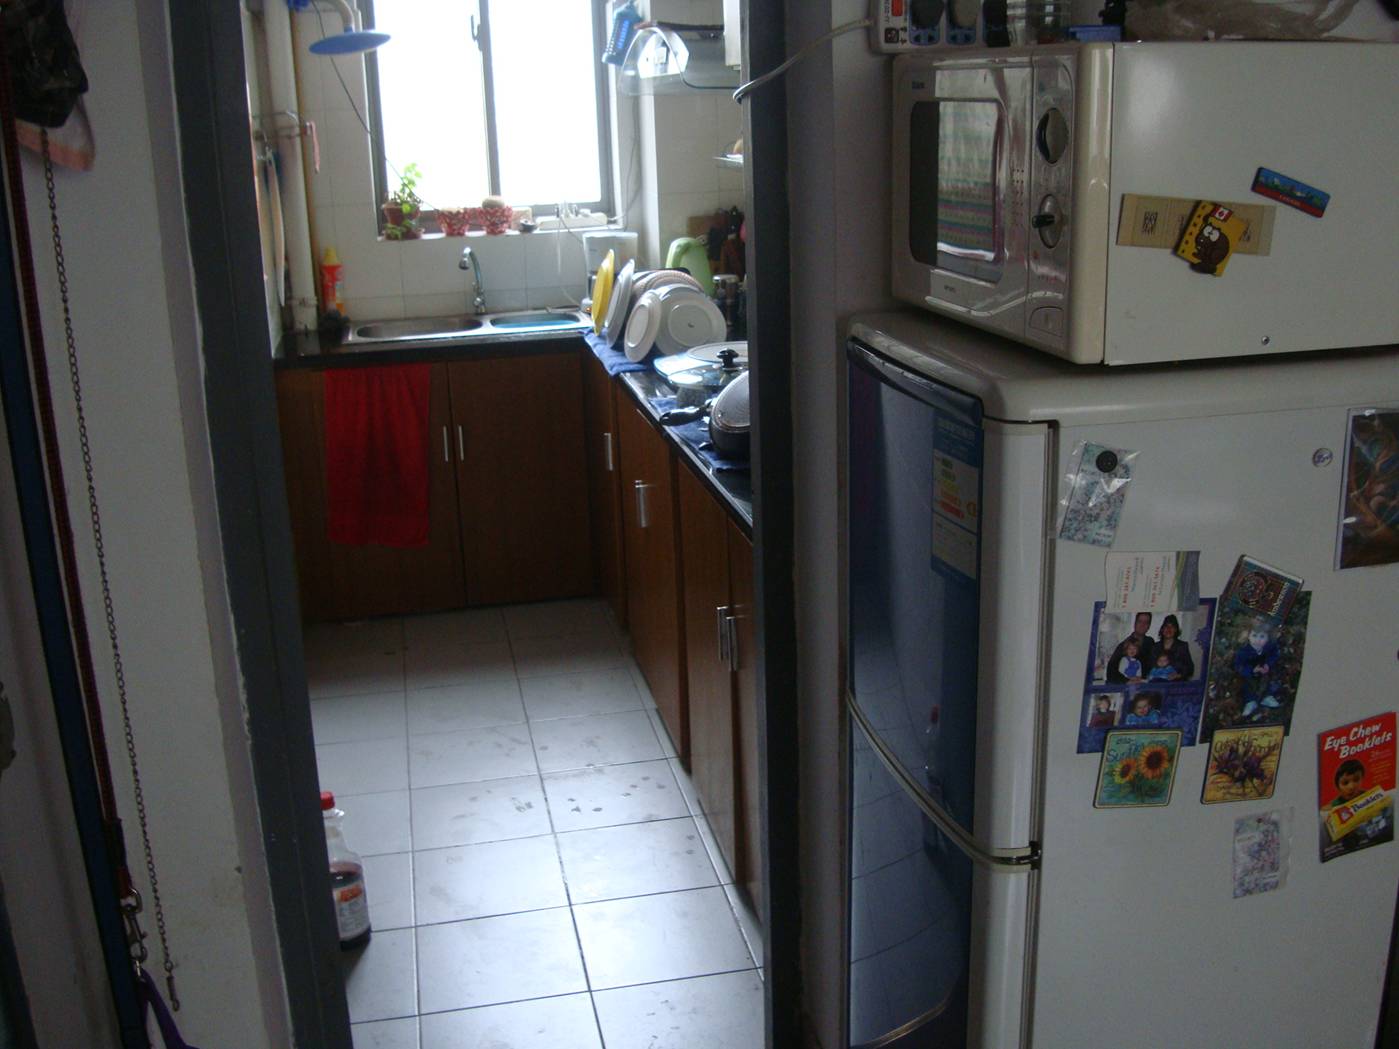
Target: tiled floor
<point x="539" y="873"/>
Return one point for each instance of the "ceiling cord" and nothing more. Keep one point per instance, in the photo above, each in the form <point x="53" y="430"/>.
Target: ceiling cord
<point x="745" y="90"/>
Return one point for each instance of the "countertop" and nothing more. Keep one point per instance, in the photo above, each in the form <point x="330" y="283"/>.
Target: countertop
<point x="733" y="488"/>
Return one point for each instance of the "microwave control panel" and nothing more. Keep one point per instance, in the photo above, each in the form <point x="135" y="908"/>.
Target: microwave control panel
<point x="922" y="25"/>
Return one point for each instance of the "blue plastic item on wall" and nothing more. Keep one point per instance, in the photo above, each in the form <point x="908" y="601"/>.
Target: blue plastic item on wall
<point x="624" y="23"/>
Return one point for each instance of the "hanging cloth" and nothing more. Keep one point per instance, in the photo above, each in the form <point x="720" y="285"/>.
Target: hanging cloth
<point x="376" y="455"/>
<point x="152" y="1002"/>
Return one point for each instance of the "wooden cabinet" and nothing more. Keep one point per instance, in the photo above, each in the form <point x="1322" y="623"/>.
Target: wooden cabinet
<point x="743" y="653"/>
<point x="604" y="485"/>
<point x="721" y="668"/>
<point x="352" y="582"/>
<point x="709" y="674"/>
<point x="508" y="496"/>
<point x="653" y="568"/>
<point x="522" y="477"/>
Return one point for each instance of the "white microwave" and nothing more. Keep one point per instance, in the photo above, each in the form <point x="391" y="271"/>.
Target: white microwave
<point x="1038" y="193"/>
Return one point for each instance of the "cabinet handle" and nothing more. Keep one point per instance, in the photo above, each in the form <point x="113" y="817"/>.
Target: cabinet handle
<point x="607" y="453"/>
<point x="720" y="614"/>
<point x="446" y="447"/>
<point x="731" y="630"/>
<point x="461" y="445"/>
<point x="643" y="516"/>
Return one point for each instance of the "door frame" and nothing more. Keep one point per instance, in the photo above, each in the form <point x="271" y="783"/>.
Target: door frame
<point x="255" y="532"/>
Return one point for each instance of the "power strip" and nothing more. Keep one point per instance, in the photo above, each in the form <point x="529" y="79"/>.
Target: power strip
<point x="920" y="25"/>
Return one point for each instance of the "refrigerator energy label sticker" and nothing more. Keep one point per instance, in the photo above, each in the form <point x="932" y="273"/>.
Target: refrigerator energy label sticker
<point x="1355" y="783"/>
<point x="956" y="496"/>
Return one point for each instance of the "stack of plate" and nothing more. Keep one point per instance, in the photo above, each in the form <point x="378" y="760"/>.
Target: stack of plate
<point x="672" y="319"/>
<point x="628" y="290"/>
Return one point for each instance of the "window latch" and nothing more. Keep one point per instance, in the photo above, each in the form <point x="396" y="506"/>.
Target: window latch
<point x="477" y="31"/>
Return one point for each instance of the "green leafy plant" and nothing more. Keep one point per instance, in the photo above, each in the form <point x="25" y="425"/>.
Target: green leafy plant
<point x="403" y="206"/>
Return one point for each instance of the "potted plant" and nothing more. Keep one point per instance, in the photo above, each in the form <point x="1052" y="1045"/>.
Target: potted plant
<point x="403" y="206"/>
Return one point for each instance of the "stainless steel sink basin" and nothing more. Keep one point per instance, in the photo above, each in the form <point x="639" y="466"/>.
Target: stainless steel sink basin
<point x="427" y="331"/>
<point x="431" y="328"/>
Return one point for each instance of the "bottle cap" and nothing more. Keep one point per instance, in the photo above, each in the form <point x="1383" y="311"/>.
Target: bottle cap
<point x="327" y="800"/>
<point x="329" y="258"/>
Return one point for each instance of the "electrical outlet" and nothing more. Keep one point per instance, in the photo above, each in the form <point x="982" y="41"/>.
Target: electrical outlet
<point x="918" y="25"/>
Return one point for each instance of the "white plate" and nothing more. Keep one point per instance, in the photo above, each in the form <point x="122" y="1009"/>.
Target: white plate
<point x="642" y="326"/>
<point x="688" y="320"/>
<point x="614" y="324"/>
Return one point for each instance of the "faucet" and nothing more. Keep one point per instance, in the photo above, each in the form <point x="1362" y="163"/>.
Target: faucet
<point x="470" y="262"/>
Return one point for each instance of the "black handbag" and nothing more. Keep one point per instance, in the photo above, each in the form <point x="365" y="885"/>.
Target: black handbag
<point x="46" y="76"/>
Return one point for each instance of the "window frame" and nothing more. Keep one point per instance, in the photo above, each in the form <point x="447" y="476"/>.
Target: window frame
<point x="383" y="184"/>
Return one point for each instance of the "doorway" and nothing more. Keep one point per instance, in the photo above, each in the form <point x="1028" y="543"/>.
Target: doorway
<point x="213" y="118"/>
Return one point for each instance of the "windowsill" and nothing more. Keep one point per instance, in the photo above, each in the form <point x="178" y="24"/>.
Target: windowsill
<point x="475" y="234"/>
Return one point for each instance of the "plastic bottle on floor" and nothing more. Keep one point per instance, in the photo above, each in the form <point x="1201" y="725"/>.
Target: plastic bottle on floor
<point x="346" y="879"/>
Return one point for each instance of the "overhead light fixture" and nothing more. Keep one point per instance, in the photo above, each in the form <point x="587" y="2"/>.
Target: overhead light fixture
<point x="353" y="40"/>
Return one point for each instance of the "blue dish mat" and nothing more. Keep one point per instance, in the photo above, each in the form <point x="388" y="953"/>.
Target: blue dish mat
<point x="613" y="360"/>
<point x="696" y="435"/>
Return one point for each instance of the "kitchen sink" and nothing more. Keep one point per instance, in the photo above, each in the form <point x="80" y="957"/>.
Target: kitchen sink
<point x="427" y="331"/>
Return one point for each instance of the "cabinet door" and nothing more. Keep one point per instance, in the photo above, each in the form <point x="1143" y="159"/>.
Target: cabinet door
<point x="744" y="656"/>
<point x="705" y="571"/>
<point x="605" y="487"/>
<point x="522" y="477"/>
<point x="653" y="568"/>
<point x="354" y="582"/>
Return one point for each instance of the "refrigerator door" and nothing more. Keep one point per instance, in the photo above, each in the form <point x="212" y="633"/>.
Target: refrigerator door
<point x="946" y="517"/>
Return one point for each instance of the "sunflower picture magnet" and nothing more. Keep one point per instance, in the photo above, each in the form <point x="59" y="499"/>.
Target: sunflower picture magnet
<point x="1138" y="769"/>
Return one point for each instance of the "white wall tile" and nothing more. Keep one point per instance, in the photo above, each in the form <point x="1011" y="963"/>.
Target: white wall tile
<point x="351" y="69"/>
<point x="446" y="304"/>
<point x="677" y="208"/>
<point x="543" y="298"/>
<point x="431" y="266"/>
<point x="376" y="308"/>
<point x="373" y="267"/>
<point x="554" y="260"/>
<point x="507" y="300"/>
<point x="501" y="260"/>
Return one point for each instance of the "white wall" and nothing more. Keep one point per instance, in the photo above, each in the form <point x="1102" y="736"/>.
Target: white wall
<point x="128" y="262"/>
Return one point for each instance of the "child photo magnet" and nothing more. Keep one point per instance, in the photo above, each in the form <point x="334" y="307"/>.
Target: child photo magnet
<point x="1243" y="764"/>
<point x="1355" y="786"/>
<point x="1138" y="769"/>
<point x="1255" y="667"/>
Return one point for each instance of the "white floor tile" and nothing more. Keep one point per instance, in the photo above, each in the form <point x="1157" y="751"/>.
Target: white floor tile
<point x="376" y="823"/>
<point x="346" y="719"/>
<point x="467" y="813"/>
<point x="498" y="877"/>
<point x="365" y="767"/>
<point x="471" y="756"/>
<point x="603" y="739"/>
<point x="613" y="862"/>
<point x="571" y="654"/>
<point x="355" y="673"/>
<point x="388" y="882"/>
<point x="578" y="695"/>
<point x="708" y="1012"/>
<point x="380" y="978"/>
<point x="667" y="937"/>
<point x="748" y="923"/>
<point x="479" y="704"/>
<point x="662" y="733"/>
<point x="469" y="625"/>
<point x="686" y="785"/>
<point x="647" y="700"/>
<point x="711" y="846"/>
<point x="545" y="1023"/>
<point x="557" y="619"/>
<point x="456" y="663"/>
<point x="491" y="960"/>
<point x="612" y="795"/>
<point x="386" y="1034"/>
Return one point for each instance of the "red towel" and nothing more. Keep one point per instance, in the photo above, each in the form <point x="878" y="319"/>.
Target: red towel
<point x="376" y="454"/>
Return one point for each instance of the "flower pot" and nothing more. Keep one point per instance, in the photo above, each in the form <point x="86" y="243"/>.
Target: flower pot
<point x="454" y="221"/>
<point x="393" y="214"/>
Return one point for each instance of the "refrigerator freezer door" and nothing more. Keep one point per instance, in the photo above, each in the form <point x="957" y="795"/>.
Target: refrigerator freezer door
<point x="946" y="518"/>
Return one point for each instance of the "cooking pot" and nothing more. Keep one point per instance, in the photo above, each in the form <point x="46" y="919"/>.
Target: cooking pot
<point x="730" y="420"/>
<point x="695" y="386"/>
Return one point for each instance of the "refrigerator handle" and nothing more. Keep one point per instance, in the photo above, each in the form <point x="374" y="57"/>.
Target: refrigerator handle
<point x="1004" y="860"/>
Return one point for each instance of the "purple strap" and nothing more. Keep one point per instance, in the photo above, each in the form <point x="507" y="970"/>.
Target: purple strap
<point x="150" y="999"/>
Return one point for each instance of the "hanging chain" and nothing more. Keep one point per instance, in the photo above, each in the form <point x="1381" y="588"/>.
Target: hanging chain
<point x="132" y="906"/>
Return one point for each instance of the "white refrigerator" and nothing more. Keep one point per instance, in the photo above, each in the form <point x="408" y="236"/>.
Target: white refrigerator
<point x="1010" y="885"/>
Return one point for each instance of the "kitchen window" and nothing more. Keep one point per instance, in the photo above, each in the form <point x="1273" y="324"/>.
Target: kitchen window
<point x="491" y="97"/>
